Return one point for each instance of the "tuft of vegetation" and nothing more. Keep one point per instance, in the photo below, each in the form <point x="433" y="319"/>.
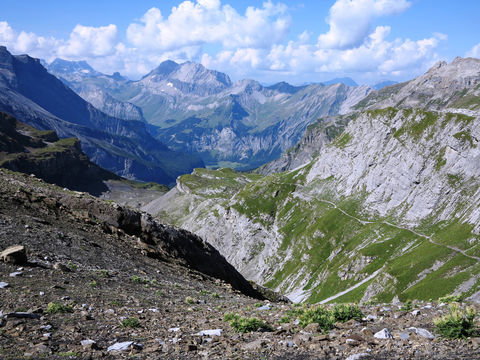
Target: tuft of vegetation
<point x="465" y="137"/>
<point x="407" y="306"/>
<point x="417" y="125"/>
<point x="457" y="323"/>
<point x="450" y="299"/>
<point x="440" y="160"/>
<point x="130" y="323"/>
<point x="190" y="300"/>
<point x="342" y="140"/>
<point x="139" y="280"/>
<point x="319" y="315"/>
<point x="345" y="312"/>
<point x="56" y="308"/>
<point x="68" y="354"/>
<point x="323" y="316"/>
<point x="246" y="324"/>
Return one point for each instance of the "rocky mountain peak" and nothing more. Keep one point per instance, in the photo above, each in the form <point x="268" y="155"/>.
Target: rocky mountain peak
<point x="284" y="87"/>
<point x="444" y="85"/>
<point x="6" y="66"/>
<point x="187" y="78"/>
<point x="164" y="69"/>
<point x="72" y="70"/>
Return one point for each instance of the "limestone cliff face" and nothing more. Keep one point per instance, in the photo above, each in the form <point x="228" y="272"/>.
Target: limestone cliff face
<point x="385" y="209"/>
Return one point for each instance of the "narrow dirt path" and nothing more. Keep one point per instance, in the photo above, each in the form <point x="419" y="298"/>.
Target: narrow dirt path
<point x="368" y="278"/>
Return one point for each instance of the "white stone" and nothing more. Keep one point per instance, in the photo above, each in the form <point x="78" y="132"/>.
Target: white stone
<point x="120" y="346"/>
<point x="212" y="332"/>
<point x="360" y="356"/>
<point x="383" y="334"/>
<point x="422" y="332"/>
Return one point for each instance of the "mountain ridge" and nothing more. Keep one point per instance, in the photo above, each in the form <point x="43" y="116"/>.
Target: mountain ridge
<point x="36" y="97"/>
<point x="201" y="111"/>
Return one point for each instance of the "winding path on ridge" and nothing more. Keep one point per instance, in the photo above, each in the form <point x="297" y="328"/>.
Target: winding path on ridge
<point x="365" y="222"/>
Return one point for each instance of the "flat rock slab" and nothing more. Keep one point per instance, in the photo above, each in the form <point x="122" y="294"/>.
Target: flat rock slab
<point x="23" y="315"/>
<point x="213" y="332"/>
<point x="14" y="255"/>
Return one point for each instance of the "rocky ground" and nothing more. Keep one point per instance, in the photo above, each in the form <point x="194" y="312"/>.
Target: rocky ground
<point x="110" y="299"/>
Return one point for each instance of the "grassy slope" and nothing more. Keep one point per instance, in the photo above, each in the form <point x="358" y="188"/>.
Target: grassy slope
<point x="312" y="230"/>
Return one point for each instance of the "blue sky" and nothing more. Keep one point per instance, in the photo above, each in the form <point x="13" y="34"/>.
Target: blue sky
<point x="296" y="41"/>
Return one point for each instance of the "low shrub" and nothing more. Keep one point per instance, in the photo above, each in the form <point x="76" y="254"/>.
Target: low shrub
<point x="347" y="312"/>
<point x="457" y="323"/>
<point x="245" y="324"/>
<point x="450" y="299"/>
<point x="56" y="308"/>
<point x="318" y="314"/>
<point x="130" y="323"/>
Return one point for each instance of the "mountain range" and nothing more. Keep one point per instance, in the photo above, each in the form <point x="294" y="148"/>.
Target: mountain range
<point x="379" y="204"/>
<point x="195" y="110"/>
<point x="125" y="147"/>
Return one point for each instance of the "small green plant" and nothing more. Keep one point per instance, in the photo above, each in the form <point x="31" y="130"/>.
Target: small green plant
<point x="407" y="306"/>
<point x="450" y="299"/>
<point x="457" y="323"/>
<point x="115" y="303"/>
<point x="344" y="312"/>
<point x="56" y="308"/>
<point x="72" y="266"/>
<point x="318" y="314"/>
<point x="190" y="300"/>
<point x="103" y="273"/>
<point x="68" y="354"/>
<point x="130" y="323"/>
<point x="139" y="280"/>
<point x="93" y="283"/>
<point x="324" y="317"/>
<point x="244" y="324"/>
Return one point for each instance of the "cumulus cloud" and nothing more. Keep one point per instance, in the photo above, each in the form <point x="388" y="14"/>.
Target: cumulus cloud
<point x="376" y="55"/>
<point x="350" y="20"/>
<point x="207" y="22"/>
<point x="474" y="52"/>
<point x="26" y="42"/>
<point x="250" y="44"/>
<point x="87" y="41"/>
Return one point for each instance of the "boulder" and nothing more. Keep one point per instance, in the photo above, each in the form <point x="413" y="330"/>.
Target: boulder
<point x="14" y="255"/>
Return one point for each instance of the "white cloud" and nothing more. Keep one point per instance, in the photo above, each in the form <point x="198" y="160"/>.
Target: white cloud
<point x="208" y="22"/>
<point x="252" y="44"/>
<point x="24" y="42"/>
<point x="350" y="20"/>
<point x="86" y="41"/>
<point x="474" y="52"/>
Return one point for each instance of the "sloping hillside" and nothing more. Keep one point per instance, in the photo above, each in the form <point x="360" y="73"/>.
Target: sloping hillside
<point x="387" y="209"/>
